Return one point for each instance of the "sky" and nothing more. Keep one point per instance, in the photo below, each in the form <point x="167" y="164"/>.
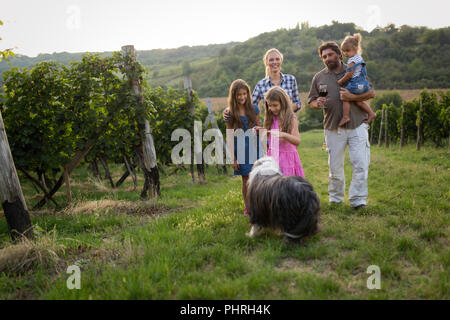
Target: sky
<point x="47" y="26"/>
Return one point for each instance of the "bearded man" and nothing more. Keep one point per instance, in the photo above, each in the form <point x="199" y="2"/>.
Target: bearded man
<point x="354" y="133"/>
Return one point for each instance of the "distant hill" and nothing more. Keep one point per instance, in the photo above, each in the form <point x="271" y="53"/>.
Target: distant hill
<point x="397" y="58"/>
<point x="157" y="61"/>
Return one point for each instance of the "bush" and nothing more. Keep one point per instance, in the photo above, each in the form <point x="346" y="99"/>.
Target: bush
<point x="431" y="124"/>
<point x="435" y="119"/>
<point x="387" y="99"/>
<point x="310" y="119"/>
<point x="408" y="118"/>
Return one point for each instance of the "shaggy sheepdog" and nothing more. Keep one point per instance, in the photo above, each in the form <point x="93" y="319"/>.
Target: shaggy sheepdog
<point x="287" y="203"/>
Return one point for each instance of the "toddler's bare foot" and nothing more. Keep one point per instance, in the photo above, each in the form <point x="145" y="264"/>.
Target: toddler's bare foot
<point x="370" y="118"/>
<point x="344" y="120"/>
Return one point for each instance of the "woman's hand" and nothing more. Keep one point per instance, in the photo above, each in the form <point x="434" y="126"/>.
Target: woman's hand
<point x="226" y="115"/>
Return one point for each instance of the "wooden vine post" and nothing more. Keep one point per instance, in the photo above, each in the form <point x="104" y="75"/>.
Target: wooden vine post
<point x="419" y="126"/>
<point x="197" y="155"/>
<point x="210" y="119"/>
<point x="11" y="196"/>
<point x="146" y="151"/>
<point x="386" y="128"/>
<point x="402" y="130"/>
<point x="372" y="130"/>
<point x="188" y="88"/>
<point x="380" y="142"/>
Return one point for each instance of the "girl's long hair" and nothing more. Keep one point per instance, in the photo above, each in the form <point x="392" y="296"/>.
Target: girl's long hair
<point x="353" y="41"/>
<point x="235" y="119"/>
<point x="266" y="63"/>
<point x="286" y="115"/>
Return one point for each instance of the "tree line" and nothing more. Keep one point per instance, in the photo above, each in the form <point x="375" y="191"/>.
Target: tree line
<point x="398" y="57"/>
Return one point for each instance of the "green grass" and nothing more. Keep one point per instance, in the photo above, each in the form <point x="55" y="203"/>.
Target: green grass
<point x="191" y="243"/>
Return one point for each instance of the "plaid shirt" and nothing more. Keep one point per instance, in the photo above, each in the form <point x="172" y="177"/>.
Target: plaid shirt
<point x="288" y="83"/>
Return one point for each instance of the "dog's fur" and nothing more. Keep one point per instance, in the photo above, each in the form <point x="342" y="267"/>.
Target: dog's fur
<point x="281" y="202"/>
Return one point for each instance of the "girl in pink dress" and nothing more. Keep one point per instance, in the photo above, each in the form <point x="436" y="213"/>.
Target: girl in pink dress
<point x="284" y="137"/>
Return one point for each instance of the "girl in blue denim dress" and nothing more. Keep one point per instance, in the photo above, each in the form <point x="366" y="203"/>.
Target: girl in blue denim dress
<point x="243" y="117"/>
<point x="355" y="77"/>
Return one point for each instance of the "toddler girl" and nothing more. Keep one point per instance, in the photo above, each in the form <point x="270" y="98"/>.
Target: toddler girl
<point x="355" y="77"/>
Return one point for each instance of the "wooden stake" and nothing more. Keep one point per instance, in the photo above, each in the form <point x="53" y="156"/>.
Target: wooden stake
<point x="386" y="128"/>
<point x="372" y="130"/>
<point x="211" y="119"/>
<point x="402" y="130"/>
<point x="11" y="196"/>
<point x="146" y="151"/>
<point x="380" y="136"/>
<point x="419" y="126"/>
<point x="197" y="155"/>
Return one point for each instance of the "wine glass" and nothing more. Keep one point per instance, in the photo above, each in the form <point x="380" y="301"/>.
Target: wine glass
<point x="323" y="91"/>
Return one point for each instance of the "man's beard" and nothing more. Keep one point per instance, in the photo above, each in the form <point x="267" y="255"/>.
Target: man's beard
<point x="333" y="64"/>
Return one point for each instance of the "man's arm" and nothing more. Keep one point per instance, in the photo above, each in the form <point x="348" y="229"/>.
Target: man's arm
<point x="314" y="100"/>
<point x="348" y="96"/>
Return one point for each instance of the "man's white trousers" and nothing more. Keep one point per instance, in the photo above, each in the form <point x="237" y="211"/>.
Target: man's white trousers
<point x="359" y="151"/>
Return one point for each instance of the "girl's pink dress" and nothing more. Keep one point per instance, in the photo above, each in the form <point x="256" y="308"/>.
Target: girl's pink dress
<point x="285" y="153"/>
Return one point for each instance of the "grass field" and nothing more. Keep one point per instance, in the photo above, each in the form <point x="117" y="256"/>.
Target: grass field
<point x="191" y="243"/>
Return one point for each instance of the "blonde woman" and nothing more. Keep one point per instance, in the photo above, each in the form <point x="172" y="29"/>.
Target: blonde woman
<point x="273" y="59"/>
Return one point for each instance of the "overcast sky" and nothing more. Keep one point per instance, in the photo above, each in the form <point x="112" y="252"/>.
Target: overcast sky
<point x="48" y="26"/>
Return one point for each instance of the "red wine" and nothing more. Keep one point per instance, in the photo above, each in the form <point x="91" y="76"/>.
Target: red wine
<point x="323" y="93"/>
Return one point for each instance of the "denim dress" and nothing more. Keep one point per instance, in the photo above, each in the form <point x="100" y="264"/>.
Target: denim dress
<point x="359" y="84"/>
<point x="247" y="147"/>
